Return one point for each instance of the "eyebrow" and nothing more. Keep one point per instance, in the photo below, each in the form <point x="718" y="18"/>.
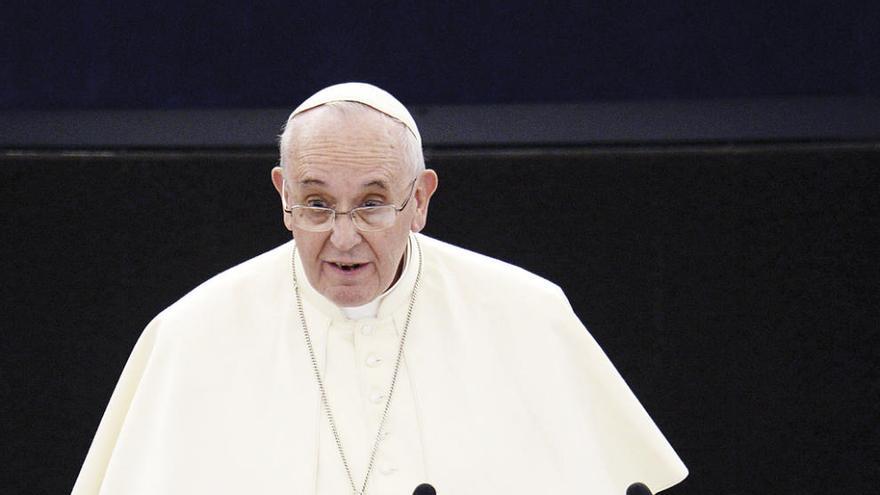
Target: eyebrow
<point x="381" y="184"/>
<point x="378" y="183"/>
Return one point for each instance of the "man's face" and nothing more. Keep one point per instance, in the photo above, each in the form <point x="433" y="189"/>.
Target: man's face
<point x="344" y="161"/>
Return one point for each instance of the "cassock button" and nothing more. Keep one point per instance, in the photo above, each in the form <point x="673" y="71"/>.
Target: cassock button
<point x="373" y="360"/>
<point x="366" y="330"/>
<point x="377" y="397"/>
<point x="387" y="469"/>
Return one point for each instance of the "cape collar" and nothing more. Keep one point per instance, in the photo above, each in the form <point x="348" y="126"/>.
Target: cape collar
<point x="388" y="302"/>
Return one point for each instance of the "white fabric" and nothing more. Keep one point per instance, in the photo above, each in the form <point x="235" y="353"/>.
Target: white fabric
<point x="359" y="360"/>
<point x="364" y="93"/>
<point x="503" y="391"/>
<point x="368" y="310"/>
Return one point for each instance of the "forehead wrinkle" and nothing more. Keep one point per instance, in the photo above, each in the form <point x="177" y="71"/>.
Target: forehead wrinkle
<point x="323" y="164"/>
<point x="354" y="155"/>
<point x="361" y="159"/>
<point x="349" y="150"/>
<point x="364" y="147"/>
<point x="324" y="175"/>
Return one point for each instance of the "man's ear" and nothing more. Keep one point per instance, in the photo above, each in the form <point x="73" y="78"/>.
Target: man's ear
<point x="278" y="182"/>
<point x="278" y="179"/>
<point x="425" y="187"/>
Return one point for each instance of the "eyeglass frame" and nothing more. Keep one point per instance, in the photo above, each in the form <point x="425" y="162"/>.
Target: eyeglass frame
<point x="351" y="212"/>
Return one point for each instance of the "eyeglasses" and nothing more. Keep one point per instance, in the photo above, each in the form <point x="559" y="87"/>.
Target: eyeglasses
<point x="364" y="218"/>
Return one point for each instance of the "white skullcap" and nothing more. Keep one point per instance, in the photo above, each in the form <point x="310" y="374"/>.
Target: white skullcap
<point x="367" y="94"/>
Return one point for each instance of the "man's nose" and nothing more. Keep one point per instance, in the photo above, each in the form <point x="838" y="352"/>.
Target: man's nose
<point x="344" y="235"/>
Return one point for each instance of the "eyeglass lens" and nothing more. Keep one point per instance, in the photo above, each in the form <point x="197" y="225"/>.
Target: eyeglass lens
<point x="371" y="218"/>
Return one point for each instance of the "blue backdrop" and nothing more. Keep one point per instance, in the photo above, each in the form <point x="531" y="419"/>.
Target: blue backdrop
<point x="100" y="54"/>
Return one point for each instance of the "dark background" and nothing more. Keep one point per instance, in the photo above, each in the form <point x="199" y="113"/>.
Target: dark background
<point x="729" y="271"/>
<point x="274" y="53"/>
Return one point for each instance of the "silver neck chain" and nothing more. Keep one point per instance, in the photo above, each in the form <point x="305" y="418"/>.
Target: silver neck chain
<point x="326" y="403"/>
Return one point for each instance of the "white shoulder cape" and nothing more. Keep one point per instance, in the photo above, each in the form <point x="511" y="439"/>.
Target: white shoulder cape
<point x="512" y="392"/>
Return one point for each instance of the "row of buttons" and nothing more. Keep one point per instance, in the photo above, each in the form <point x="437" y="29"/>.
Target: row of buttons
<point x="372" y="361"/>
<point x="377" y="397"/>
<point x="386" y="468"/>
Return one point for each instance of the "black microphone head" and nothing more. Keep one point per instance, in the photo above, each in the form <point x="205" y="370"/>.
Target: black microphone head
<point x="425" y="489"/>
<point x="638" y="489"/>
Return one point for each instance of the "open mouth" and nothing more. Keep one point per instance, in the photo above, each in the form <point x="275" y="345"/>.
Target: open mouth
<point x="348" y="267"/>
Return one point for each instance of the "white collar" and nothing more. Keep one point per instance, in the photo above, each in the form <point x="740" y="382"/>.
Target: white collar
<point x="368" y="310"/>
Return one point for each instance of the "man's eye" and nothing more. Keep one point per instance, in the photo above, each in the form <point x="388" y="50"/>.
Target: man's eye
<point x="317" y="203"/>
<point x="373" y="202"/>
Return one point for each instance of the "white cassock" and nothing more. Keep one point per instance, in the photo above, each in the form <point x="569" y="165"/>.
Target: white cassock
<point x="501" y="390"/>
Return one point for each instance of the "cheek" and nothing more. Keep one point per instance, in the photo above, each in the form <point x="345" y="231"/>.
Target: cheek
<point x="378" y="246"/>
<point x="390" y="247"/>
<point x="308" y="244"/>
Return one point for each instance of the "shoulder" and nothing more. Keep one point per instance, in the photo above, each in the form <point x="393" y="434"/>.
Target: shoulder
<point x="246" y="287"/>
<point x="474" y="272"/>
<point x="512" y="307"/>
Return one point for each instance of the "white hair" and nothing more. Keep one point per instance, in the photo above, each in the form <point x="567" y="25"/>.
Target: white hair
<point x="411" y="145"/>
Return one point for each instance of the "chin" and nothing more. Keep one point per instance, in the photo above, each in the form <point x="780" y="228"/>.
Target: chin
<point x="348" y="298"/>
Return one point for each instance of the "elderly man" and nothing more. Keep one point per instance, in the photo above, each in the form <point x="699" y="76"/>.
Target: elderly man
<point x="364" y="357"/>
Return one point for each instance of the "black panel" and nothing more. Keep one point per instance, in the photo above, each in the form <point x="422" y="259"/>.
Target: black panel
<point x="735" y="287"/>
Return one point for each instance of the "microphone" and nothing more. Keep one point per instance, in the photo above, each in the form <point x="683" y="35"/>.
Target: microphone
<point x="426" y="489"/>
<point x="638" y="489"/>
